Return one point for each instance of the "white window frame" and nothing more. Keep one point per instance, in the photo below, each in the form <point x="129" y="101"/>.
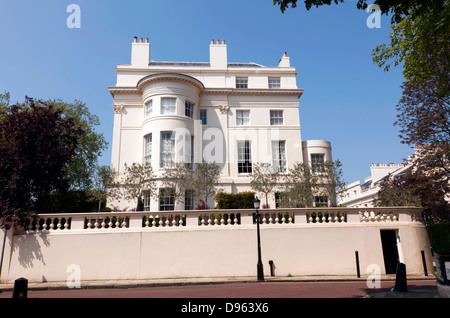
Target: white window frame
<point x="166" y="202"/>
<point x="189" y="109"/>
<point x="148" y="149"/>
<point x="241" y="81"/>
<point x="242" y="120"/>
<point x="321" y="201"/>
<point x="168" y="109"/>
<point x="147" y="200"/>
<point x="189" y="152"/>
<point x="149" y="108"/>
<point x="189" y="200"/>
<point x="274" y="82"/>
<point x="279" y="157"/>
<point x="244" y="152"/>
<point x="317" y="158"/>
<point x="275" y="119"/>
<point x="204" y="119"/>
<point x="166" y="153"/>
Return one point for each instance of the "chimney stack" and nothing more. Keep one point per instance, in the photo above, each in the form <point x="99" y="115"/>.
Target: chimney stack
<point x="218" y="55"/>
<point x="285" y="61"/>
<point x="140" y="52"/>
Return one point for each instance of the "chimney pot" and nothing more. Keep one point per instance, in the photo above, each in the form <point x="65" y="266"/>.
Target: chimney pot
<point x="135" y="39"/>
<point x="223" y="41"/>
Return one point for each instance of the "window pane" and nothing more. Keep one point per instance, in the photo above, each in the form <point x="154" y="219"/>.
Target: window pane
<point x="147" y="200"/>
<point x="166" y="199"/>
<point x="189" y="200"/>
<point x="274" y="82"/>
<point x="148" y="149"/>
<point x="148" y="108"/>
<point x="167" y="159"/>
<point x="241" y="82"/>
<point x="242" y="117"/>
<point x="279" y="156"/>
<point x="189" y="152"/>
<point x="276" y="117"/>
<point x="168" y="106"/>
<point x="244" y="157"/>
<point x="203" y="117"/>
<point x="321" y="202"/>
<point x="189" y="110"/>
<point x="317" y="161"/>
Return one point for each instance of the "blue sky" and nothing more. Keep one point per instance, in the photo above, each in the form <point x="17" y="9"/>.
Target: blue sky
<point x="348" y="100"/>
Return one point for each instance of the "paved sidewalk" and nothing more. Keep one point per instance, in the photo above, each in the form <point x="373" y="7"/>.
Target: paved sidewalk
<point x="411" y="293"/>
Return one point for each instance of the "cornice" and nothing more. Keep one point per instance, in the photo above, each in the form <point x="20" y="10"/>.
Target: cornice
<point x="154" y="78"/>
<point x="150" y="79"/>
<point x="252" y="91"/>
<point x="200" y="87"/>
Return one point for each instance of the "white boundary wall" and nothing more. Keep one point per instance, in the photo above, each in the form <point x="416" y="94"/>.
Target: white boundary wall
<point x="132" y="248"/>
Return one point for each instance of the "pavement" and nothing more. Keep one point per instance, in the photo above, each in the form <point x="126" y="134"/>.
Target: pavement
<point x="415" y="292"/>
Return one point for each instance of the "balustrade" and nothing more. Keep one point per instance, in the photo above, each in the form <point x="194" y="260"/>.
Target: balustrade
<point x="216" y="219"/>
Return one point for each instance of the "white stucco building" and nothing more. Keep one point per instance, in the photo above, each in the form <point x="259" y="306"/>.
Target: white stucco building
<point x="361" y="195"/>
<point x="235" y="114"/>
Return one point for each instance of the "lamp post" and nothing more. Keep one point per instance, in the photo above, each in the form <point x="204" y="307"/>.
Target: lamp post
<point x="260" y="271"/>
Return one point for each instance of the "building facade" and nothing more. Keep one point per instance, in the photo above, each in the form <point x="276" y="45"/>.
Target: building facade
<point x="362" y="195"/>
<point x="233" y="114"/>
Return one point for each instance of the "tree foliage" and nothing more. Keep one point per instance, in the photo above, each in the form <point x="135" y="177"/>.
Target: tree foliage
<point x="179" y="180"/>
<point x="205" y="179"/>
<point x="137" y="179"/>
<point x="301" y="184"/>
<point x="398" y="8"/>
<point x="331" y="181"/>
<point x="91" y="143"/>
<point x="104" y="185"/>
<point x="417" y="188"/>
<point x="202" y="181"/>
<point x="264" y="179"/>
<point x="421" y="44"/>
<point x="36" y="144"/>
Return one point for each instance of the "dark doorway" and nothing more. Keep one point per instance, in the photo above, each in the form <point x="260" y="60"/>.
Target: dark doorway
<point x="390" y="250"/>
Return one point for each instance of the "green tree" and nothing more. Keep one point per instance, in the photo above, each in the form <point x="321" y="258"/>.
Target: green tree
<point x="36" y="143"/>
<point x="205" y="179"/>
<point x="264" y="179"/>
<point x="417" y="188"/>
<point x="104" y="185"/>
<point x="179" y="180"/>
<point x="398" y="8"/>
<point x="138" y="179"/>
<point x="301" y="184"/>
<point x="331" y="181"/>
<point x="91" y="144"/>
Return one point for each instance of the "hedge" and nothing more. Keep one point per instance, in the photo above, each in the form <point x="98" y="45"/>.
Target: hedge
<point x="439" y="235"/>
<point x="243" y="200"/>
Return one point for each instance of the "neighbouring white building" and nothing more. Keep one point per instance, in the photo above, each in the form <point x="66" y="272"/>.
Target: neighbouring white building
<point x="362" y="195"/>
<point x="234" y="114"/>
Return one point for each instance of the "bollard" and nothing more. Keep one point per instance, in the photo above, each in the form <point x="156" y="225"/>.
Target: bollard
<point x="400" y="279"/>
<point x="424" y="262"/>
<point x="20" y="288"/>
<point x="358" y="273"/>
<point x="272" y="268"/>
